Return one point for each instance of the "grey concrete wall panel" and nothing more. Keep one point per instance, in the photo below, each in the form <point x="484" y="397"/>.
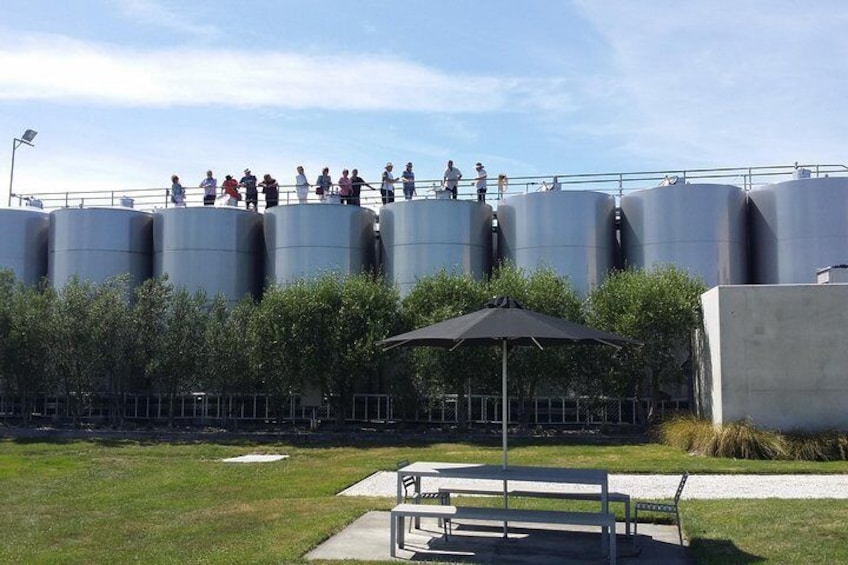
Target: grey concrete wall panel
<point x="700" y="228"/>
<point x="306" y="240"/>
<point x="94" y="244"/>
<point x="24" y="233"/>
<point x="215" y="249"/>
<point x="798" y="227"/>
<point x="422" y="237"/>
<point x="572" y="232"/>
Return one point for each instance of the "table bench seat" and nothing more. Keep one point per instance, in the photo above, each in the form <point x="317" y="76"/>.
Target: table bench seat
<point x="448" y="512"/>
<point x="595" y="496"/>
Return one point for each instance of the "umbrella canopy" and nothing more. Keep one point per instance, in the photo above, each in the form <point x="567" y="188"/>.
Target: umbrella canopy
<point x="504" y="321"/>
<point x="504" y="318"/>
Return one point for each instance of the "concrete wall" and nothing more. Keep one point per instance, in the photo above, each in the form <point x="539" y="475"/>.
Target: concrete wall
<point x="776" y="354"/>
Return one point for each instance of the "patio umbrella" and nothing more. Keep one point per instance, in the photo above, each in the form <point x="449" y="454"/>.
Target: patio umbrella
<point x="504" y="321"/>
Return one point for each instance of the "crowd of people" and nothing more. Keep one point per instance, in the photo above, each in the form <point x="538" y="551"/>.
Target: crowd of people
<point x="347" y="189"/>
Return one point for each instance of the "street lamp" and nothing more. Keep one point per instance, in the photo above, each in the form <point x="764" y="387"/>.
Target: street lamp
<point x="27" y="138"/>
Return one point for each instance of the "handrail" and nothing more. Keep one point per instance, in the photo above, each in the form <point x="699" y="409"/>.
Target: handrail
<point x="614" y="183"/>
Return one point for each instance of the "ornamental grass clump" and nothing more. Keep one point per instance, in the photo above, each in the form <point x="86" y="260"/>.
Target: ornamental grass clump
<point x="824" y="446"/>
<point x="741" y="440"/>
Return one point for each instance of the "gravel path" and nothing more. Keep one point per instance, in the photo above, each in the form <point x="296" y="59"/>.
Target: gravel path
<point x="384" y="483"/>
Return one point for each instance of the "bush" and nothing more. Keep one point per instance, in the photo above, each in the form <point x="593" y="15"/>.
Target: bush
<point x="743" y="440"/>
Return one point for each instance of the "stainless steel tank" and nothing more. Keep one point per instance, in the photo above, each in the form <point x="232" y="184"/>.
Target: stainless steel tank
<point x="700" y="228"/>
<point x="95" y="244"/>
<point x="306" y="240"/>
<point x="573" y="232"/>
<point x="798" y="227"/>
<point x="215" y="249"/>
<point x="422" y="237"/>
<point x="24" y="232"/>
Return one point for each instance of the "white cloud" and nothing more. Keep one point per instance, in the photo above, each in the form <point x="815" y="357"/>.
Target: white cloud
<point x="711" y="81"/>
<point x="153" y="13"/>
<point x="68" y="70"/>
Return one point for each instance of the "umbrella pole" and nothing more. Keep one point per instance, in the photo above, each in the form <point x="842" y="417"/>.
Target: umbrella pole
<point x="504" y="406"/>
<point x="505" y="412"/>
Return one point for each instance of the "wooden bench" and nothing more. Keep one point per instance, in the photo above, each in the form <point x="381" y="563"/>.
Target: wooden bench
<point x="446" y="512"/>
<point x="596" y="496"/>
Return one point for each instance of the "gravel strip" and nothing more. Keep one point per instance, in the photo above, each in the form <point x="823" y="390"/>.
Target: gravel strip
<point x="384" y="483"/>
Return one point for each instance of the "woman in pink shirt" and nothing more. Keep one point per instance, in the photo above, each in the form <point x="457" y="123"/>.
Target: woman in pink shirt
<point x="345" y="190"/>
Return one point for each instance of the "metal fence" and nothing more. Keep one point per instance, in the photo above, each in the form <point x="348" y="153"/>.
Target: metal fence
<point x="616" y="183"/>
<point x="211" y="409"/>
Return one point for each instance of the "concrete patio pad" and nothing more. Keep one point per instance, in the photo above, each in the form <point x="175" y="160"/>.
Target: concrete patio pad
<point x="367" y="539"/>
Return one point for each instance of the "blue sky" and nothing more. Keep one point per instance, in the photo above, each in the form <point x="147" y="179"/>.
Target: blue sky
<point x="124" y="93"/>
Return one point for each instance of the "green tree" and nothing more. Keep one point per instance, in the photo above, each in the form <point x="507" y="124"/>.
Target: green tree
<point x="532" y="370"/>
<point x="229" y="370"/>
<point x="179" y="357"/>
<point x="320" y="335"/>
<point x="661" y="308"/>
<point x="368" y="311"/>
<point x="116" y="342"/>
<point x="26" y="330"/>
<point x="436" y="298"/>
<point x="284" y="341"/>
<point x="83" y="340"/>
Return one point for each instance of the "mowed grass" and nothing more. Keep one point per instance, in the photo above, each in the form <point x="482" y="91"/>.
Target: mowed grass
<point x="151" y="502"/>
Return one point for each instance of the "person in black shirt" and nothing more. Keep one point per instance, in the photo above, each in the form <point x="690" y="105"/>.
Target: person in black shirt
<point x="356" y="184"/>
<point x="271" y="190"/>
<point x="248" y="181"/>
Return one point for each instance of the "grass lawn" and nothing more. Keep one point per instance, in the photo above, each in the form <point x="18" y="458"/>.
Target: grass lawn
<point x="122" y="501"/>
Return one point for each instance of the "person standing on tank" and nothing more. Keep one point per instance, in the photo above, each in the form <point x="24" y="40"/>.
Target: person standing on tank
<point x="210" y="189"/>
<point x="451" y="179"/>
<point x="323" y="184"/>
<point x="408" y="182"/>
<point x="387" y="188"/>
<point x="480" y="182"/>
<point x="177" y="192"/>
<point x="356" y="184"/>
<point x="251" y="196"/>
<point x="301" y="185"/>
<point x="271" y="190"/>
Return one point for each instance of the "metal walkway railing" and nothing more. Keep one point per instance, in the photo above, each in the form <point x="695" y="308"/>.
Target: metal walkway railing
<point x="616" y="184"/>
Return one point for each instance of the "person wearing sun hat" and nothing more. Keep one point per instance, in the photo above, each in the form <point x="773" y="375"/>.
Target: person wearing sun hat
<point x="480" y="182"/>
<point x="387" y="189"/>
<point x="408" y="182"/>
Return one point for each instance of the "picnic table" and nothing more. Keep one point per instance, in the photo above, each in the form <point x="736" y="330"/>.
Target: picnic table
<point x="472" y="471"/>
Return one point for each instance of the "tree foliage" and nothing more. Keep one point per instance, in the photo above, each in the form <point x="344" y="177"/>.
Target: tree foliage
<point x="530" y="369"/>
<point x="661" y="308"/>
<point x="436" y="298"/>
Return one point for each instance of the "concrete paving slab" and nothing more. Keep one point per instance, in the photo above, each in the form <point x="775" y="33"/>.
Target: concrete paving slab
<point x="255" y="458"/>
<point x="367" y="539"/>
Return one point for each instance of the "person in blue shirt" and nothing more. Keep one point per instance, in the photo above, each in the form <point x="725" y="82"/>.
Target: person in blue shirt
<point x="323" y="184"/>
<point x="408" y="182"/>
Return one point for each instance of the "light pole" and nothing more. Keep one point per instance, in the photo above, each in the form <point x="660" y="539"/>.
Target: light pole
<point x="27" y="138"/>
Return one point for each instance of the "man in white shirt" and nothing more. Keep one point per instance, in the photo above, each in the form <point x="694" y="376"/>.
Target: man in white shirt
<point x="210" y="189"/>
<point x="387" y="189"/>
<point x="480" y="182"/>
<point x="451" y="179"/>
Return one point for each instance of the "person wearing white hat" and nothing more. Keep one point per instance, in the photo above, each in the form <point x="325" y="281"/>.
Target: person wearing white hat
<point x="480" y="182"/>
<point x="387" y="189"/>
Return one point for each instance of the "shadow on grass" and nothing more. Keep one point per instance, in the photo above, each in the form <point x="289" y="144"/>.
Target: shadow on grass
<point x="721" y="552"/>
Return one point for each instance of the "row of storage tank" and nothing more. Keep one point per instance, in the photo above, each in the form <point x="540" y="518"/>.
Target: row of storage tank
<point x="775" y="234"/>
